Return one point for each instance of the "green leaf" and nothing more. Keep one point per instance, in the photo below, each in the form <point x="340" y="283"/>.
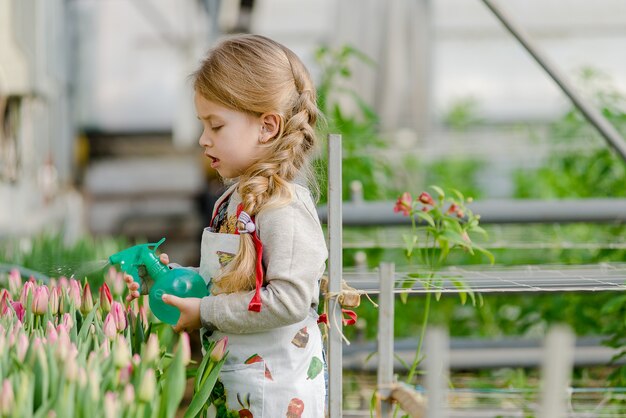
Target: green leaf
<point x="425" y="216"/>
<point x="84" y="329"/>
<point x="202" y="366"/>
<point x="458" y="194"/>
<point x="201" y="397"/>
<point x="173" y="383"/>
<point x="488" y="254"/>
<point x="439" y="191"/>
<point x="409" y="242"/>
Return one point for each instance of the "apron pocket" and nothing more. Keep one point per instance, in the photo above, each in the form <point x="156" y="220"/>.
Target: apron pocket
<point x="244" y="388"/>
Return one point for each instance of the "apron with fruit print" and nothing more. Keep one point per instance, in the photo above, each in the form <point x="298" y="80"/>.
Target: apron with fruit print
<point x="269" y="374"/>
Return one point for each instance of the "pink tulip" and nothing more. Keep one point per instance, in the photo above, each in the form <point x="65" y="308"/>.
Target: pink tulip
<point x="116" y="281"/>
<point x="404" y="204"/>
<point x="87" y="300"/>
<point x="129" y="395"/>
<point x="105" y="298"/>
<point x="26" y="290"/>
<point x="111" y="405"/>
<point x="143" y="316"/>
<point x="68" y="321"/>
<point x="106" y="351"/>
<point x="63" y="283"/>
<point x="5" y="301"/>
<point x="147" y="386"/>
<point x="426" y="199"/>
<point x="15" y="282"/>
<point x="217" y="354"/>
<point x="52" y="283"/>
<point x="74" y="293"/>
<point x="19" y="309"/>
<point x="51" y="332"/>
<point x="7" y="398"/>
<point x="119" y="315"/>
<point x="152" y="349"/>
<point x="55" y="300"/>
<point x="186" y="347"/>
<point x="21" y="347"/>
<point x="109" y="328"/>
<point x="40" y="300"/>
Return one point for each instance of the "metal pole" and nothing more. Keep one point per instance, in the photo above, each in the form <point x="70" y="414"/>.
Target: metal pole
<point x="385" y="337"/>
<point x="437" y="368"/>
<point x="556" y="370"/>
<point x="335" y="265"/>
<point x="608" y="131"/>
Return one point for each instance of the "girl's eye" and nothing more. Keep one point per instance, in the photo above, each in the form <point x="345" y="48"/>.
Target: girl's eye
<point x="216" y="128"/>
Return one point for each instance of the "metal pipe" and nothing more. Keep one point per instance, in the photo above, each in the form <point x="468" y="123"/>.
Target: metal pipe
<point x="385" y="338"/>
<point x="608" y="131"/>
<point x="496" y="211"/>
<point x="335" y="266"/>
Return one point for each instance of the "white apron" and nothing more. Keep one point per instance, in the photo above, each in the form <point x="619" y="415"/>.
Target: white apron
<point x="269" y="374"/>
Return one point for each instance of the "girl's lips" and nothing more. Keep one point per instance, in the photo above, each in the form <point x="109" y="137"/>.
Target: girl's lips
<point x="214" y="161"/>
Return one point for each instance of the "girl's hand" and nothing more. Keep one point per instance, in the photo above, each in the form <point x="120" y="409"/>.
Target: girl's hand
<point x="133" y="287"/>
<point x="189" y="312"/>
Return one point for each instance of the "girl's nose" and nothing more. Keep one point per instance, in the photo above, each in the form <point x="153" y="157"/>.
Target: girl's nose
<point x="204" y="140"/>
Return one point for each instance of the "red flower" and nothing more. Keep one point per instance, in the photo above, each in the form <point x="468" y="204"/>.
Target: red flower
<point x="426" y="199"/>
<point x="452" y="209"/>
<point x="403" y="204"/>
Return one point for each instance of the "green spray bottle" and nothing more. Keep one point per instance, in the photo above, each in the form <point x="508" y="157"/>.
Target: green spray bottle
<point x="141" y="262"/>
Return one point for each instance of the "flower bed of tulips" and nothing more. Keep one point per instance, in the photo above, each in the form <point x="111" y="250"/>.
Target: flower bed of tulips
<point x="66" y="353"/>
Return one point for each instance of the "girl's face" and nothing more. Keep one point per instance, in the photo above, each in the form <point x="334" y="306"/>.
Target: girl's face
<point x="231" y="139"/>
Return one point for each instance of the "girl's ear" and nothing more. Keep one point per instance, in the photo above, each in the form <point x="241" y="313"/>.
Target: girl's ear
<point x="270" y="126"/>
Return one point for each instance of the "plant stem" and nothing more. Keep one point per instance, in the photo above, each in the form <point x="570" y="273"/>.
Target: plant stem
<point x="417" y="359"/>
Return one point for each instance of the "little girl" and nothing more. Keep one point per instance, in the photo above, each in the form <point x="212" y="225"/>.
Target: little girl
<point x="264" y="252"/>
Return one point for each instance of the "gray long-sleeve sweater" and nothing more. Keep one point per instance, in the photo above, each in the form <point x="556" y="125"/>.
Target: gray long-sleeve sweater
<point x="294" y="256"/>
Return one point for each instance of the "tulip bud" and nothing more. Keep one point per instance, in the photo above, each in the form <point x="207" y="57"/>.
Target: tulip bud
<point x="87" y="300"/>
<point x="217" y="354"/>
<point x="21" y="347"/>
<point x="6" y="398"/>
<point x="55" y="300"/>
<point x="117" y="310"/>
<point x="111" y="405"/>
<point x="109" y="328"/>
<point x="74" y="293"/>
<point x="51" y="332"/>
<point x="71" y="369"/>
<point x="152" y="349"/>
<point x="63" y="283"/>
<point x="15" y="282"/>
<point x="143" y="316"/>
<point x="121" y="352"/>
<point x="5" y="300"/>
<point x="106" y="351"/>
<point x="125" y="373"/>
<point x="68" y="321"/>
<point x="186" y="347"/>
<point x="19" y="309"/>
<point x="40" y="300"/>
<point x="105" y="298"/>
<point x="129" y="395"/>
<point x="26" y="290"/>
<point x="115" y="281"/>
<point x="147" y="386"/>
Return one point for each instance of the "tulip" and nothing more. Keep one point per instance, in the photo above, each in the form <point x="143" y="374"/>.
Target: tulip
<point x="63" y="283"/>
<point x="186" y="347"/>
<point x="152" y="349"/>
<point x="143" y="316"/>
<point x="403" y="204"/>
<point x="105" y="298"/>
<point x="109" y="328"/>
<point x="116" y="281"/>
<point x="71" y="369"/>
<point x="426" y="199"/>
<point x="5" y="300"/>
<point x="40" y="300"/>
<point x="125" y="373"/>
<point x="121" y="352"/>
<point x="26" y="290"/>
<point x="104" y="348"/>
<point x="110" y="405"/>
<point x="217" y="354"/>
<point x="15" y="282"/>
<point x="55" y="300"/>
<point x="51" y="332"/>
<point x="52" y="283"/>
<point x="74" y="292"/>
<point x="6" y="398"/>
<point x="21" y="347"/>
<point x="129" y="395"/>
<point x="147" y="386"/>
<point x="68" y="321"/>
<point x="87" y="300"/>
<point x="117" y="310"/>
<point x="19" y="310"/>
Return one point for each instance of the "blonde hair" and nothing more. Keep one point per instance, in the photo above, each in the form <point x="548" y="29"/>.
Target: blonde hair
<point x="256" y="75"/>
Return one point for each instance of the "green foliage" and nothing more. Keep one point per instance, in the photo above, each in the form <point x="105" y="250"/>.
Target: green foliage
<point x="582" y="164"/>
<point x="360" y="138"/>
<point x="462" y="114"/>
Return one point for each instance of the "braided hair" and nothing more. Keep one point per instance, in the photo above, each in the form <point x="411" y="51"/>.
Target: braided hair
<point x="256" y="75"/>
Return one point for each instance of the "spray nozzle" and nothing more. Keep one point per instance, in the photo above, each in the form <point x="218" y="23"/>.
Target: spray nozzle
<point x="140" y="260"/>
